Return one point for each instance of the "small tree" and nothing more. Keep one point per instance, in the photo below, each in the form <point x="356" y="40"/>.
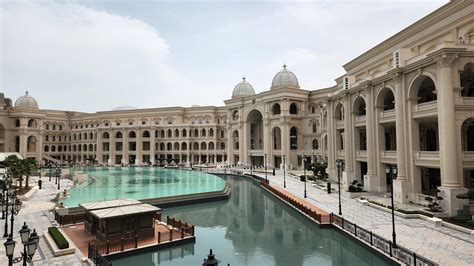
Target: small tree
<point x="434" y="201"/>
<point x="15" y="167"/>
<point x="319" y="169"/>
<point x="28" y="167"/>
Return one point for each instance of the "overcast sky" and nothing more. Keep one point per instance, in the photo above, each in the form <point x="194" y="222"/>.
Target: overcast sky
<point x="97" y="55"/>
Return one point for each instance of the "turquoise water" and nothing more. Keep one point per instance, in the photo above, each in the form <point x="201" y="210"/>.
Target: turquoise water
<point x="140" y="183"/>
<point x="254" y="228"/>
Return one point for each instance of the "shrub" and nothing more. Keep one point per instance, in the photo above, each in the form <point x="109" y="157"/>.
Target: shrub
<point x="58" y="237"/>
<point x="468" y="195"/>
<point x="461" y="218"/>
<point x="355" y="186"/>
<point x="434" y="201"/>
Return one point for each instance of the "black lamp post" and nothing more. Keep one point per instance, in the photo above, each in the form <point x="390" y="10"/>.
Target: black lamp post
<point x="211" y="260"/>
<point x="58" y="177"/>
<point x="339" y="166"/>
<point x="265" y="162"/>
<point x="304" y="169"/>
<point x="30" y="244"/>
<point x="50" y="169"/>
<point x="391" y="170"/>
<point x="284" y="171"/>
<point x="10" y="195"/>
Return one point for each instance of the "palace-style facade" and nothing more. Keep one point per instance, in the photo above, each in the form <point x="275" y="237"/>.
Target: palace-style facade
<point x="407" y="102"/>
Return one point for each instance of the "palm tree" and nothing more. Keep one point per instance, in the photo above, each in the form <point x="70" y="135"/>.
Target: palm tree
<point x="14" y="167"/>
<point x="28" y="167"/>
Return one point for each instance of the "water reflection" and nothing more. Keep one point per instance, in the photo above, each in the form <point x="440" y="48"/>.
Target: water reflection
<point x="253" y="228"/>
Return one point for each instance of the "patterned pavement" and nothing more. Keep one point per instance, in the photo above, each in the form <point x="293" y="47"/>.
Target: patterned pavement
<point x="440" y="244"/>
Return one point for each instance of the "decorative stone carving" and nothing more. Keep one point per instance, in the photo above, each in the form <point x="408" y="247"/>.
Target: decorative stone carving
<point x="446" y="60"/>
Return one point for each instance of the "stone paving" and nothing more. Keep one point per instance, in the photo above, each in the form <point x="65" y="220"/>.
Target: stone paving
<point x="440" y="244"/>
<point x="37" y="215"/>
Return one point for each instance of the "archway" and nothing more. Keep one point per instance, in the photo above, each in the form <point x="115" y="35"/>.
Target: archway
<point x="276" y="138"/>
<point x="276" y="110"/>
<point x="467" y="134"/>
<point x="255" y="130"/>
<point x="467" y="80"/>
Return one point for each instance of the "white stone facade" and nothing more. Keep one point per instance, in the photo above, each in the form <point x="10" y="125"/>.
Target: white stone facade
<point x="407" y="102"/>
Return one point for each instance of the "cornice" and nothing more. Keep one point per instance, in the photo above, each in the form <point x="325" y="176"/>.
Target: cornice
<point x="430" y="19"/>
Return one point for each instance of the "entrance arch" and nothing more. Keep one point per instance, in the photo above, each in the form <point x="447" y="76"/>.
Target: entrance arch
<point x="255" y="130"/>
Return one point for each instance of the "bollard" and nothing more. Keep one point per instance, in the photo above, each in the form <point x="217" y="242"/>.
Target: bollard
<point x="107" y="247"/>
<point x="371" y="241"/>
<point x="171" y="234"/>
<point x="136" y="241"/>
<point x="121" y="243"/>
<point x="159" y="237"/>
<point x="182" y="232"/>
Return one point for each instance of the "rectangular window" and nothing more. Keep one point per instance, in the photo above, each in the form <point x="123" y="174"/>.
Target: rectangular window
<point x="315" y="128"/>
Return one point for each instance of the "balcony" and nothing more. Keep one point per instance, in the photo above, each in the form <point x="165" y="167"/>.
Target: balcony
<point x="387" y="116"/>
<point x="426" y="158"/>
<point x="360" y="120"/>
<point x="426" y="109"/>
<point x="468" y="158"/>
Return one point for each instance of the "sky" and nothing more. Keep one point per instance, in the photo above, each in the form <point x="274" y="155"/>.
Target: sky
<point x="97" y="55"/>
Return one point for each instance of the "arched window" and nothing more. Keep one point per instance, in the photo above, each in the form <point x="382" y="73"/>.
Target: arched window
<point x="196" y="133"/>
<point x="132" y="134"/>
<point x="203" y="146"/>
<point x="32" y="123"/>
<point x="53" y="148"/>
<point x="169" y="146"/>
<point x="184" y="146"/>
<point x="60" y="148"/>
<point x="203" y="132"/>
<point x="315" y="144"/>
<point x="46" y="138"/>
<point x="91" y="135"/>
<point x="467" y="135"/>
<point x="196" y="146"/>
<point x="467" y="80"/>
<point x="276" y="110"/>
<point x="146" y="134"/>
<point x="46" y="148"/>
<point x="184" y="134"/>
<point x="211" y="133"/>
<point x="222" y="145"/>
<point x="211" y="145"/>
<point x="388" y="100"/>
<point x="235" y="136"/>
<point x="294" y="138"/>
<point x="162" y="133"/>
<point x="105" y="135"/>
<point x="359" y="106"/>
<point x="118" y="135"/>
<point x="293" y="109"/>
<point x="176" y="133"/>
<point x="85" y="135"/>
<point x="47" y="126"/>
<point x="276" y="138"/>
<point x="176" y="146"/>
<point x="162" y="146"/>
<point x="426" y="91"/>
<point x="170" y="133"/>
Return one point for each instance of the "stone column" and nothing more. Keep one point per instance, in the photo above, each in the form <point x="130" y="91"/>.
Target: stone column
<point x="39" y="146"/>
<point x="139" y="148"/>
<point x="23" y="143"/>
<point x="152" y="146"/>
<point x="112" y="148"/>
<point x="243" y="145"/>
<point x="348" y="174"/>
<point x="371" y="182"/>
<point x="331" y="133"/>
<point x="125" y="147"/>
<point x="400" y="185"/>
<point x="99" y="148"/>
<point x="450" y="176"/>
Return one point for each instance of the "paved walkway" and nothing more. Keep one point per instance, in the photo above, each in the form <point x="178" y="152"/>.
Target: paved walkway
<point x="37" y="215"/>
<point x="440" y="244"/>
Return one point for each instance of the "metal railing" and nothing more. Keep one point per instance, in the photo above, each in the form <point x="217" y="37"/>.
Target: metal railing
<point x="94" y="255"/>
<point x="400" y="253"/>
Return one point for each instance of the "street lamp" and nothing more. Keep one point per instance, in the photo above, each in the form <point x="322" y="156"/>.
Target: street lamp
<point x="339" y="163"/>
<point x="30" y="244"/>
<point x="58" y="176"/>
<point x="50" y="166"/>
<point x="391" y="170"/>
<point x="10" y="195"/>
<point x="284" y="171"/>
<point x="304" y="169"/>
<point x="265" y="162"/>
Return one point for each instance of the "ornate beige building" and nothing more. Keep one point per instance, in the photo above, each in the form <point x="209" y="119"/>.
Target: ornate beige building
<point x="407" y="102"/>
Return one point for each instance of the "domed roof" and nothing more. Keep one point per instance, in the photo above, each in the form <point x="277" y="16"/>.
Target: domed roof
<point x="123" y="108"/>
<point x="26" y="102"/>
<point x="285" y="78"/>
<point x="243" y="88"/>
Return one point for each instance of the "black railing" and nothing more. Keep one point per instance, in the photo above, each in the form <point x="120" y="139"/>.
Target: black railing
<point x="94" y="255"/>
<point x="400" y="253"/>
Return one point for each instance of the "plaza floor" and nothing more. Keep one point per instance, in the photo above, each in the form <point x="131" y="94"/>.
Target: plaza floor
<point x="440" y="244"/>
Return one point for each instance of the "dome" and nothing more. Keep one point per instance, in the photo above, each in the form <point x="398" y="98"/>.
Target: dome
<point x="123" y="108"/>
<point x="285" y="78"/>
<point x="243" y="88"/>
<point x="26" y="102"/>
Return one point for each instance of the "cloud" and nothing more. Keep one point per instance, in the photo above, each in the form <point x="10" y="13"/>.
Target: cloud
<point x="65" y="51"/>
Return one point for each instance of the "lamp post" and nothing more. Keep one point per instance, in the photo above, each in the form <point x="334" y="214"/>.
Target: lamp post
<point x="265" y="162"/>
<point x="304" y="169"/>
<point x="30" y="244"/>
<point x="49" y="166"/>
<point x="391" y="170"/>
<point x="15" y="208"/>
<point x="284" y="171"/>
<point x="339" y="166"/>
<point x="58" y="177"/>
